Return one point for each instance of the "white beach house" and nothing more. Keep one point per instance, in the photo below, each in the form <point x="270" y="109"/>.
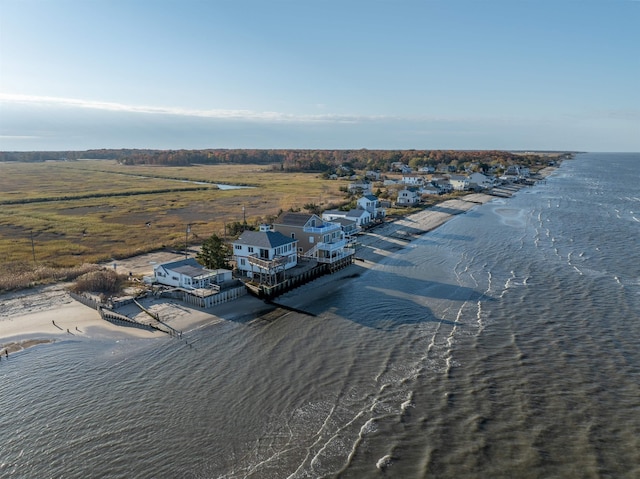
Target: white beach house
<point x="264" y="252"/>
<point x="407" y="198"/>
<point x="189" y="274"/>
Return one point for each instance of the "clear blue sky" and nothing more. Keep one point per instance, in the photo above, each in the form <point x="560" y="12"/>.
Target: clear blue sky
<point x="389" y="74"/>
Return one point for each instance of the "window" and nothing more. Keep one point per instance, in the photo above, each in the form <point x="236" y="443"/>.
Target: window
<point x="242" y="262"/>
<point x="237" y="246"/>
<point x="293" y="236"/>
<point x="250" y="249"/>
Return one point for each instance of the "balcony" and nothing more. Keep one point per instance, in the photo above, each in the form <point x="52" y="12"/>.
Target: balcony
<point x="336" y="256"/>
<point x="266" y="264"/>
<point x="334" y="246"/>
<point x="327" y="227"/>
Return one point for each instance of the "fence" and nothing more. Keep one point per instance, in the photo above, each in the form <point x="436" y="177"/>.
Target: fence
<point x="109" y="315"/>
<point x="122" y="320"/>
<point x="207" y="301"/>
<point x="86" y="300"/>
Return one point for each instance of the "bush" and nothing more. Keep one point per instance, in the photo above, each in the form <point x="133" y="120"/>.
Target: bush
<point x="24" y="275"/>
<point x="105" y="281"/>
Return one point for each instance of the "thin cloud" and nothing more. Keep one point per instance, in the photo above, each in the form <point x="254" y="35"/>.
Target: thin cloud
<point x="218" y="114"/>
<point x="19" y="137"/>
<point x="177" y="111"/>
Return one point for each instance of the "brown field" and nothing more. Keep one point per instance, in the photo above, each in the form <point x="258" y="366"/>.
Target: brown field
<point x="82" y="229"/>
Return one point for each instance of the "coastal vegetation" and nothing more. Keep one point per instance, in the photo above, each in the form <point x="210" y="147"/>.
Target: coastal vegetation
<point x="103" y="281"/>
<point x="214" y="253"/>
<point x="19" y="274"/>
<point x="62" y="214"/>
<point x="57" y="215"/>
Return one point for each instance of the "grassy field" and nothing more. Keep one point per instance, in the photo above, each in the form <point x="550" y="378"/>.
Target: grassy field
<point x="95" y="210"/>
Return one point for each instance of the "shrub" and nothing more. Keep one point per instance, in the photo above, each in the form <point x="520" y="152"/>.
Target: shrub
<point x="105" y="281"/>
<point x="23" y="275"/>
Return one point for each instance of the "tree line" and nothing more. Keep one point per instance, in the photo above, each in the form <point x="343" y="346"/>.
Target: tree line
<point x="285" y="159"/>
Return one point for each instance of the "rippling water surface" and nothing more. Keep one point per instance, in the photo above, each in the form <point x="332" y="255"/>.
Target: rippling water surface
<point x="503" y="344"/>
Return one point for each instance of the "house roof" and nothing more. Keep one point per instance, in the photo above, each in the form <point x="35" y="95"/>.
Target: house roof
<point x="370" y="197"/>
<point x="290" y="218"/>
<point x="188" y="267"/>
<point x="264" y="239"/>
<point x="441" y="181"/>
<point x="357" y="213"/>
<point x="335" y="212"/>
<point x="345" y="222"/>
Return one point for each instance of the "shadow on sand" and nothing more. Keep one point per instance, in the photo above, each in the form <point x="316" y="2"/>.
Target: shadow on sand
<point x="386" y="301"/>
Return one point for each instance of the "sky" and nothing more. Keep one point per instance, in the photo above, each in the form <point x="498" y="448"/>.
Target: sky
<point x="320" y="74"/>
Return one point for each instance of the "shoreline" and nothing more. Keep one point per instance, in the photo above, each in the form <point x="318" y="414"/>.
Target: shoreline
<point x="382" y="241"/>
<point x="47" y="314"/>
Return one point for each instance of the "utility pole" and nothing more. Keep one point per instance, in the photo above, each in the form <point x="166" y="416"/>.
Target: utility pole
<point x="186" y="238"/>
<point x="33" y="248"/>
<point x="244" y="219"/>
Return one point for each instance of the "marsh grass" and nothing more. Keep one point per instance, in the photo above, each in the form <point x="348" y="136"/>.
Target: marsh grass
<point x="92" y="230"/>
<point x="21" y="275"/>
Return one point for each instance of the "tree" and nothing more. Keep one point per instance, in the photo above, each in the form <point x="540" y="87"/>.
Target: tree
<point x="312" y="208"/>
<point x="214" y="253"/>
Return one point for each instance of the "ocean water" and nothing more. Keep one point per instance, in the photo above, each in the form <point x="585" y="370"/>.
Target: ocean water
<point x="503" y="344"/>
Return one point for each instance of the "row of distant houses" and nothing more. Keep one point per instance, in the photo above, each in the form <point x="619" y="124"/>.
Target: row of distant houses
<point x="446" y="183"/>
<point x="400" y="167"/>
<point x="417" y="185"/>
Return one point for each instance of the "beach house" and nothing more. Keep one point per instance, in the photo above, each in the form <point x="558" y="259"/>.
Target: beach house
<point x="349" y="227"/>
<point x="407" y="197"/>
<point x="411" y="179"/>
<point x="188" y="274"/>
<point x="372" y="205"/>
<point x="360" y="186"/>
<point x="480" y="181"/>
<point x="264" y="252"/>
<point x="317" y="238"/>
<point x="459" y="182"/>
<point x="429" y="189"/>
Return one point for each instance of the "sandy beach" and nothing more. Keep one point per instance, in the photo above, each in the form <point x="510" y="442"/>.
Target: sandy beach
<point x="382" y="241"/>
<point x="47" y="313"/>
